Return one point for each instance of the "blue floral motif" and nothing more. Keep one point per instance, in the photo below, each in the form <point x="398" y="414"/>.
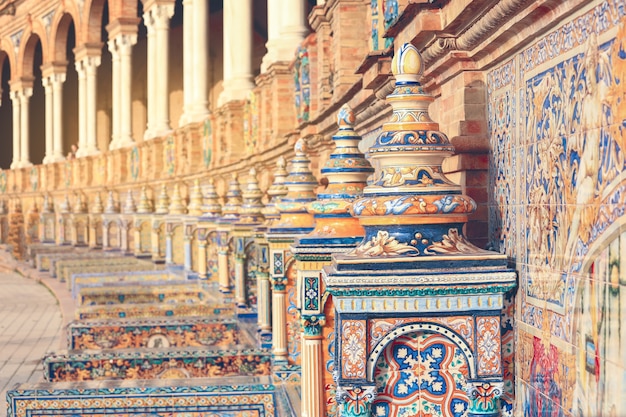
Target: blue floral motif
<point x="397" y="206"/>
<point x="446" y="204"/>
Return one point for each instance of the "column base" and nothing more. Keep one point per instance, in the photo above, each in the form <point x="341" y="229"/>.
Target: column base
<point x="15" y="165"/>
<point x="87" y="152"/>
<point x="25" y="164"/>
<point x="122" y="143"/>
<point x="55" y="158"/>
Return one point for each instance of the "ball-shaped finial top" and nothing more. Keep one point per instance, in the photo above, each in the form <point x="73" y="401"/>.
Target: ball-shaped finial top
<point x="252" y="172"/>
<point x="300" y="147"/>
<point x="407" y="64"/>
<point x="281" y="163"/>
<point x="345" y="117"/>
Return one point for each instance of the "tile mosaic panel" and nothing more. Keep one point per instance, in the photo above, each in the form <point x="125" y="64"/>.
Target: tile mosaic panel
<point x="168" y="293"/>
<point x="256" y="399"/>
<point x="123" y="334"/>
<point x="165" y="363"/>
<point x="79" y="281"/>
<point x="558" y="202"/>
<point x="151" y="310"/>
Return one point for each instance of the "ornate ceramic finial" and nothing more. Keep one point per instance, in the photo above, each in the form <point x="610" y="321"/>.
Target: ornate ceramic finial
<point x="111" y="206"/>
<point x="47" y="205"/>
<point x="301" y="184"/>
<point x="252" y="207"/>
<point x="347" y="171"/>
<point x="211" y="206"/>
<point x="129" y="204"/>
<point x="163" y="201"/>
<point x="409" y="207"/>
<point x="195" y="199"/>
<point x="145" y="204"/>
<point x="96" y="207"/>
<point x="79" y="205"/>
<point x="233" y="200"/>
<point x="277" y="191"/>
<point x="64" y="207"/>
<point x="177" y="206"/>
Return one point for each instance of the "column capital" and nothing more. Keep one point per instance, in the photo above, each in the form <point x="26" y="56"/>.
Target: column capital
<point x="22" y="85"/>
<point x="123" y="26"/>
<point x="158" y="13"/>
<point x="312" y="325"/>
<point x="87" y="63"/>
<point x="85" y="50"/>
<point x="51" y="68"/>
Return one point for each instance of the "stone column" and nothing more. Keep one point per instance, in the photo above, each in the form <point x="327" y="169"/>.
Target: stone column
<point x="273" y="32"/>
<point x="188" y="55"/>
<point x="279" y="320"/>
<point x="24" y="96"/>
<point x="195" y="61"/>
<point x="202" y="265"/>
<point x="49" y="120"/>
<point x="222" y="269"/>
<point x="312" y="366"/>
<point x="57" y="114"/>
<point x="169" y="254"/>
<point x="87" y="62"/>
<point x="200" y="55"/>
<point x="263" y="302"/>
<point x="115" y="94"/>
<point x="15" y="100"/>
<point x="238" y="80"/>
<point x="292" y="28"/>
<point x="122" y="38"/>
<point x="187" y="250"/>
<point x="157" y="19"/>
<point x="240" y="280"/>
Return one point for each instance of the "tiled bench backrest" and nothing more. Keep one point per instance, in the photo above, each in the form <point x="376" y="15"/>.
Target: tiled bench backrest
<point x="163" y="363"/>
<point x="153" y="333"/>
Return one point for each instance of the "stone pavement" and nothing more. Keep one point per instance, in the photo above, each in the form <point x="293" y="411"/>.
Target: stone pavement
<point x="30" y="325"/>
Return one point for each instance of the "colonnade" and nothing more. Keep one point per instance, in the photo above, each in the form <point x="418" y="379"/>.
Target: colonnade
<point x="286" y="29"/>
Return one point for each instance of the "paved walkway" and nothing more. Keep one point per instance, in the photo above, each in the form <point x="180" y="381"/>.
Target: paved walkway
<point x="30" y="326"/>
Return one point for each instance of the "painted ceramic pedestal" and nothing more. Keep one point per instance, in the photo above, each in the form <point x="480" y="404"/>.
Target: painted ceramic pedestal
<point x="47" y="228"/>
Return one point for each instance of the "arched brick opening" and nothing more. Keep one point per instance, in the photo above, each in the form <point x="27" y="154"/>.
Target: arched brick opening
<point x="6" y="112"/>
<point x="32" y="59"/>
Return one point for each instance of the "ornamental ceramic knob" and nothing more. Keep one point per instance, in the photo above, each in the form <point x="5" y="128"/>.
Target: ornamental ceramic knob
<point x="163" y="201"/>
<point x="79" y="205"/>
<point x="347" y="171"/>
<point x="211" y="206"/>
<point x="47" y="206"/>
<point x="195" y="199"/>
<point x="96" y="206"/>
<point x="300" y="182"/>
<point x="111" y="206"/>
<point x="277" y="190"/>
<point x="177" y="206"/>
<point x="64" y="207"/>
<point x="251" y="209"/>
<point x="409" y="207"/>
<point x="233" y="199"/>
<point x="129" y="205"/>
<point x="145" y="204"/>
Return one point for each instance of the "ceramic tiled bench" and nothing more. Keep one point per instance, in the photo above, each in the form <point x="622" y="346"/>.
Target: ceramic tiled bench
<point x="176" y="292"/>
<point x="155" y="333"/>
<point x="34" y="250"/>
<point x="98" y="279"/>
<point x="165" y="363"/>
<point x="152" y="311"/>
<point x="65" y="268"/>
<point x="45" y="261"/>
<point x="223" y="397"/>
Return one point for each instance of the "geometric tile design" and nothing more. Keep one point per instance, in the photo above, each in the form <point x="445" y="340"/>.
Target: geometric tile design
<point x="421" y="374"/>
